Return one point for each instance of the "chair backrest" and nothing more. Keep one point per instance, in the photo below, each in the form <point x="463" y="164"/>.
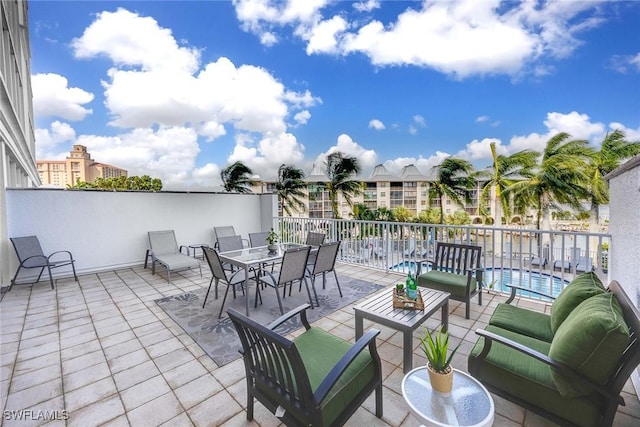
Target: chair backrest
<point x="275" y="368"/>
<point x="26" y="247"/>
<point x="163" y="242"/>
<point x="258" y="239"/>
<point x="326" y="258"/>
<point x="229" y="243"/>
<point x="314" y="239"/>
<point x="294" y="264"/>
<point x="456" y="258"/>
<point x="224" y="231"/>
<point x="215" y="264"/>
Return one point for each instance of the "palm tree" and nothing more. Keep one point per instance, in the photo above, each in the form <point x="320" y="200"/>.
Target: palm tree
<point x="613" y="151"/>
<point x="504" y="172"/>
<point x="455" y="180"/>
<point x="235" y="178"/>
<point x="560" y="178"/>
<point x="340" y="170"/>
<point x="290" y="188"/>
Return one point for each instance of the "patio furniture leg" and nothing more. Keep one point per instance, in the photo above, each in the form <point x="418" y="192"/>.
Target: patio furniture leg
<point x="445" y="316"/>
<point x="337" y="282"/>
<point x="407" y="351"/>
<point x="359" y="326"/>
<point x="50" y="276"/>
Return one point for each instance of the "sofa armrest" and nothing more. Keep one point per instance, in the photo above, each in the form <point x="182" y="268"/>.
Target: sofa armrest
<point x="516" y="288"/>
<point x="490" y="337"/>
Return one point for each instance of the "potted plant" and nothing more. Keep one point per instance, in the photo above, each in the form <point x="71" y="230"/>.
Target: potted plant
<point x="272" y="240"/>
<point x="439" y="364"/>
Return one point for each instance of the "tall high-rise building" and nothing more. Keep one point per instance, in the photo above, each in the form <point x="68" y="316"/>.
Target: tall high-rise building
<point x="78" y="166"/>
<point x="17" y="140"/>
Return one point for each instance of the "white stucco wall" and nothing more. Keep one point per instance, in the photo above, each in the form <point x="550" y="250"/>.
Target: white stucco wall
<point x="624" y="226"/>
<point x="106" y="230"/>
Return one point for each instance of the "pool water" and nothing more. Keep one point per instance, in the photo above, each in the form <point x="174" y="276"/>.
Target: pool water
<point x="501" y="278"/>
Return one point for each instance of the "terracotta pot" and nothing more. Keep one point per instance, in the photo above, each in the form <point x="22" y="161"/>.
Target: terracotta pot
<point x="442" y="383"/>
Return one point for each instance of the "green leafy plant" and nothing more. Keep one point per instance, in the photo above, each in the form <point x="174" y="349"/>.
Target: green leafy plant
<point x="436" y="350"/>
<point x="272" y="237"/>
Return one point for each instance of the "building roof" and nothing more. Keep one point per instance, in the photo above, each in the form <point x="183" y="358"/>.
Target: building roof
<point x="316" y="175"/>
<point x="411" y="173"/>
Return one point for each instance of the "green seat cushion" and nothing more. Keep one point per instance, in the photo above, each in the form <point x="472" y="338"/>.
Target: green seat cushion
<point x="591" y="341"/>
<point x="582" y="287"/>
<point x="528" y="379"/>
<point x="523" y="321"/>
<point x="320" y="351"/>
<point x="455" y="284"/>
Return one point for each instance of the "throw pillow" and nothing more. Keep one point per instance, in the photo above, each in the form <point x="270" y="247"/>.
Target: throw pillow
<point x="582" y="287"/>
<point x="591" y="341"/>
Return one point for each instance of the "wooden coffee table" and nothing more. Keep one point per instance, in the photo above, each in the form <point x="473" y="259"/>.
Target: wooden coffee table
<point x="379" y="308"/>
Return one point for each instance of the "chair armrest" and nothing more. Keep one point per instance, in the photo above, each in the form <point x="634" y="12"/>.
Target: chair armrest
<point x="489" y="337"/>
<point x="34" y="257"/>
<point x="302" y="310"/>
<point x="367" y="340"/>
<point x="419" y="265"/>
<point x="61" y="252"/>
<point x="183" y="247"/>
<point x="516" y="288"/>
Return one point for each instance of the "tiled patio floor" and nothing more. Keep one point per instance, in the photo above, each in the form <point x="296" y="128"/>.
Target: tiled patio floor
<point x="103" y="353"/>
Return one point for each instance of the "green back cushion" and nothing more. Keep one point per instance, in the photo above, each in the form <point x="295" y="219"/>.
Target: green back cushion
<point x="591" y="341"/>
<point x="582" y="287"/>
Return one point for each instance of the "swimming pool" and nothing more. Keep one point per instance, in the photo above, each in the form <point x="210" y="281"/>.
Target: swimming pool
<point x="499" y="278"/>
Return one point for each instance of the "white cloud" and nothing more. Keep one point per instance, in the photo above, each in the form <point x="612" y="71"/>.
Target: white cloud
<point x="129" y="39"/>
<point x="302" y="117"/>
<point x="53" y="97"/>
<point x="167" y="153"/>
<point x="366" y="6"/>
<point x="625" y="63"/>
<point x="419" y="120"/>
<point x="376" y="124"/>
<point x="630" y="133"/>
<point x="482" y="119"/>
<point x="459" y="37"/>
<point x="323" y="37"/>
<point x="413" y="130"/>
<point x="577" y="125"/>
<point x="424" y="165"/>
<point x="166" y="101"/>
<point x="346" y="145"/>
<point x="48" y="141"/>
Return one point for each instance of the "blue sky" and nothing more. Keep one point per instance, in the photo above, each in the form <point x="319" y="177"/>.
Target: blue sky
<point x="178" y="90"/>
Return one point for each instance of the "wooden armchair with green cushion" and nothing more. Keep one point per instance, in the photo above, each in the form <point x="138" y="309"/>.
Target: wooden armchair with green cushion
<point x="455" y="268"/>
<point x="317" y="379"/>
<point x="568" y="366"/>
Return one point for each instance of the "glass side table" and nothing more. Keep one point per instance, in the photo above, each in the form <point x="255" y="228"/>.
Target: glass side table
<point x="468" y="404"/>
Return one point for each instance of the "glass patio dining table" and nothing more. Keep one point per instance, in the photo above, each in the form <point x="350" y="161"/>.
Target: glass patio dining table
<point x="248" y="258"/>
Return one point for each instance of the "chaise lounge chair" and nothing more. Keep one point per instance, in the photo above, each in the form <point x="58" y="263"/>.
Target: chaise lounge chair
<point x="165" y="250"/>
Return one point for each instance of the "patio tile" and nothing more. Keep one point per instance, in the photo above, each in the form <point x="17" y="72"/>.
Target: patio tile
<point x="220" y="407"/>
<point x="144" y="392"/>
<point x="123" y="348"/>
<point x="179" y="421"/>
<point x="168" y="361"/>
<point x="85" y="376"/>
<point x="197" y="390"/>
<point x="32" y="396"/>
<point x="97" y="413"/>
<point x="89" y="394"/>
<point x="23" y="380"/>
<point x="156" y="411"/>
<point x="183" y="374"/>
<point x="136" y="374"/>
<point x="83" y="361"/>
<point x="123" y="362"/>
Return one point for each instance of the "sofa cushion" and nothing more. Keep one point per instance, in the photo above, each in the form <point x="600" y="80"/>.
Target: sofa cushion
<point x="523" y="321"/>
<point x="591" y="341"/>
<point x="582" y="287"/>
<point x="455" y="284"/>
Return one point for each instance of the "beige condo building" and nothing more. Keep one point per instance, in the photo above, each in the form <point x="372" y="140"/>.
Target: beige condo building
<point x="77" y="166"/>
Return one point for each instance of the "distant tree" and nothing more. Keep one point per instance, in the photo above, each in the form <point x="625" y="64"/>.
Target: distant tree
<point x="504" y="172"/>
<point x="430" y="216"/>
<point x="121" y="183"/>
<point x="341" y="170"/>
<point x="290" y="188"/>
<point x="362" y="212"/>
<point x="458" y="218"/>
<point x="454" y="180"/>
<point x="613" y="151"/>
<point x="236" y="178"/>
<point x="560" y="178"/>
<point x="383" y="214"/>
<point x="402" y="214"/>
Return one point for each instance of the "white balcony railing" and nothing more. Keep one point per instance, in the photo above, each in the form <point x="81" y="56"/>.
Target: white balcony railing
<point x="541" y="260"/>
